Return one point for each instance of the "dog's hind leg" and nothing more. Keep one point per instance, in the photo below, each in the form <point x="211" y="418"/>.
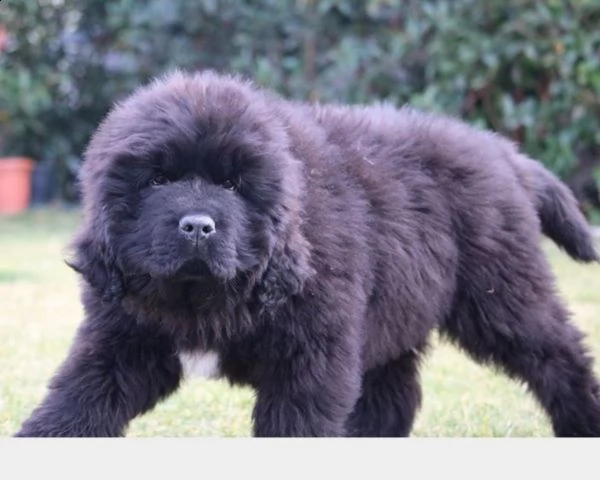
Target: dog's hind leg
<point x="390" y="399"/>
<point x="508" y="314"/>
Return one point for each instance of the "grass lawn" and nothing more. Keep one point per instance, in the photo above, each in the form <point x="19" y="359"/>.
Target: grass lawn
<point x="40" y="310"/>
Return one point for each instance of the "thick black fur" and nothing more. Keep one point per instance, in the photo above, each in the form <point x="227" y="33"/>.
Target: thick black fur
<point x="344" y="237"/>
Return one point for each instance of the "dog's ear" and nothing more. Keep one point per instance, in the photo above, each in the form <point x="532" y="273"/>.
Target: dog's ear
<point x="285" y="274"/>
<point x="95" y="262"/>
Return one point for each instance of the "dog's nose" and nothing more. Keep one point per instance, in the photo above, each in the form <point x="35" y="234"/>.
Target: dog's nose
<point x="197" y="226"/>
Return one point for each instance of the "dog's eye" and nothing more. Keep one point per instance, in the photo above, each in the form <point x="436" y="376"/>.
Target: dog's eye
<point x="158" y="180"/>
<point x="228" y="185"/>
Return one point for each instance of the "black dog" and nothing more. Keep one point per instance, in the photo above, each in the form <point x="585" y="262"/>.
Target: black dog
<point x="309" y="251"/>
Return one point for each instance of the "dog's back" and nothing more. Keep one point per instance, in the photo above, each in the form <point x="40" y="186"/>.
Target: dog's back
<point x="382" y="131"/>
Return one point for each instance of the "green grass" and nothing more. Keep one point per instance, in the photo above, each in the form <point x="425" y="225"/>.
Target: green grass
<point x="40" y="310"/>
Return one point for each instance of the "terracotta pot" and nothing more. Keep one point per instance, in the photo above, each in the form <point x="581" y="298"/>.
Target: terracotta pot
<point x="15" y="184"/>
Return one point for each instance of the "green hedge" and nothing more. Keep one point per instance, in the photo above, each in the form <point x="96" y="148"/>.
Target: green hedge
<point x="527" y="68"/>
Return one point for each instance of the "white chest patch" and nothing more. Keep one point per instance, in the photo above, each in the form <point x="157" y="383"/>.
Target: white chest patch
<point x="200" y="364"/>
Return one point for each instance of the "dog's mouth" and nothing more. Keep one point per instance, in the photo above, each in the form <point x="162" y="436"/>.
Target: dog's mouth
<point x="177" y="263"/>
<point x="194" y="269"/>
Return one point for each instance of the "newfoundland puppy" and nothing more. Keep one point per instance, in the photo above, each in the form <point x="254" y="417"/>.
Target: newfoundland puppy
<point x="309" y="251"/>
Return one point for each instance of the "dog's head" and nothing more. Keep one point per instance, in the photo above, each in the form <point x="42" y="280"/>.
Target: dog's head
<point x="191" y="178"/>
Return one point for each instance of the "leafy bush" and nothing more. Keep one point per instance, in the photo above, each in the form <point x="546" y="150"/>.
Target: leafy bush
<point x="529" y="69"/>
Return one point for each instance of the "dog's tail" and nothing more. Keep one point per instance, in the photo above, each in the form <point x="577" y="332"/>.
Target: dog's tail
<point x="558" y="211"/>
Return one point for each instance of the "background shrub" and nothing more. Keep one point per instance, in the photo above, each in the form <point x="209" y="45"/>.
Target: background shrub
<point x="527" y="68"/>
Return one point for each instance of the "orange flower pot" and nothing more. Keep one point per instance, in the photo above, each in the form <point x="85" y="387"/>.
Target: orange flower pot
<point x="15" y="184"/>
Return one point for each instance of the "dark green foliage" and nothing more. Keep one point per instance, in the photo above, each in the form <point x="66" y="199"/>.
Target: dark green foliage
<point x="527" y="68"/>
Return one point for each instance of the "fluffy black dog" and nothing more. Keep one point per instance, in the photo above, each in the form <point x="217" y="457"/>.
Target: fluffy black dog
<point x="309" y="251"/>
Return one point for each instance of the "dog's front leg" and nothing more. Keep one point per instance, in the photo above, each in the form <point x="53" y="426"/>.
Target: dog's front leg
<point x="116" y="369"/>
<point x="310" y="395"/>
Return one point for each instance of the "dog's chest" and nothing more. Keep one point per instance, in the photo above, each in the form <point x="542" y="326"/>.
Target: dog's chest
<point x="200" y="364"/>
